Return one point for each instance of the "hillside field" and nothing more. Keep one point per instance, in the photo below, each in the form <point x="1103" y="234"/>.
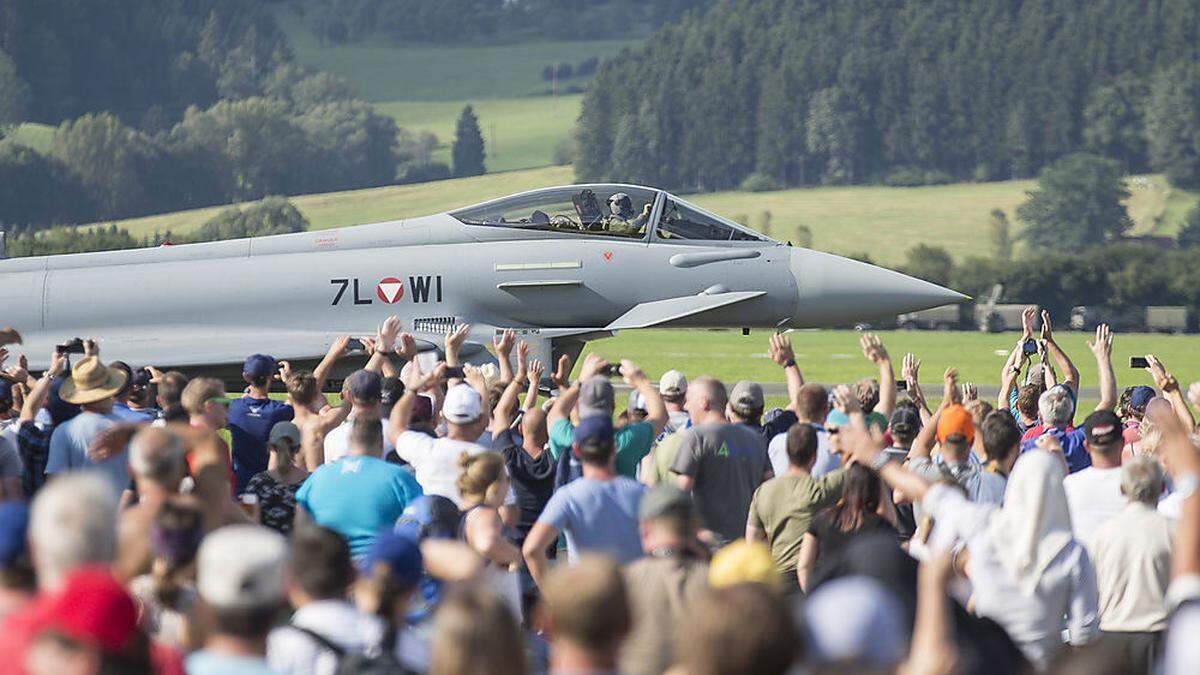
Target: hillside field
<point x="40" y="137"/>
<point x="882" y="222"/>
<point x="518" y="133"/>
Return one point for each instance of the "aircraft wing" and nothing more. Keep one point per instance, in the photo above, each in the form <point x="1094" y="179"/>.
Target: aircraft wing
<point x="647" y="314"/>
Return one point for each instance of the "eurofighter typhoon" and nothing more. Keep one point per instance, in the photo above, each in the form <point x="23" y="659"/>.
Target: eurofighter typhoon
<point x="559" y="265"/>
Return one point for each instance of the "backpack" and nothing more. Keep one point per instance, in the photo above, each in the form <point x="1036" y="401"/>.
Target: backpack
<point x="376" y="660"/>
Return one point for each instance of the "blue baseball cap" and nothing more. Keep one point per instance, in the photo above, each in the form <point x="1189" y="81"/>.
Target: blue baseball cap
<point x="400" y="553"/>
<point x="365" y="385"/>
<point x="1140" y="396"/>
<point x="594" y="429"/>
<point x="429" y="516"/>
<point x="60" y="411"/>
<point x="260" y="365"/>
<point x="14" y="524"/>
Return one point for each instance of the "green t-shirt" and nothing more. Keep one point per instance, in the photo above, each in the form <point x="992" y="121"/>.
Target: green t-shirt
<point x="633" y="443"/>
<point x="783" y="508"/>
<point x="664" y="457"/>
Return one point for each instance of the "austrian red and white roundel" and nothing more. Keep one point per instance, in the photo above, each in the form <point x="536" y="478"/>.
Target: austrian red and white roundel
<point x="390" y="290"/>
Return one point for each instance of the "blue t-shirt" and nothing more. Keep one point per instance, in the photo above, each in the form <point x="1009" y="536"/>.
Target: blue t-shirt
<point x="139" y="416"/>
<point x="598" y="516"/>
<point x="205" y="662"/>
<point x="250" y="422"/>
<point x="69" y="444"/>
<point x="1073" y="449"/>
<point x="358" y="496"/>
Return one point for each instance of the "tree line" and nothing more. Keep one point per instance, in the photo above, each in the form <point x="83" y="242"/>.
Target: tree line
<point x="438" y="21"/>
<point x="771" y="93"/>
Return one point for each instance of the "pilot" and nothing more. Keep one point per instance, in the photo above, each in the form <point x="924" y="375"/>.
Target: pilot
<point x="620" y="218"/>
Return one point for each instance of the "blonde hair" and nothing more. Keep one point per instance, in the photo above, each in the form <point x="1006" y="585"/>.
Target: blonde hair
<point x="198" y="392"/>
<point x="1149" y="438"/>
<point x="480" y="474"/>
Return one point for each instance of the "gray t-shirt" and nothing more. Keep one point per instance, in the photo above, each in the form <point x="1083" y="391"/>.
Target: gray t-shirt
<point x="598" y="516"/>
<point x="727" y="463"/>
<point x="10" y="460"/>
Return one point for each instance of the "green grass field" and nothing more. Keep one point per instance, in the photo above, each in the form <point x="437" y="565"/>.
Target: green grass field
<point x="833" y="356"/>
<point x="518" y="133"/>
<point x="382" y="71"/>
<point x="880" y="221"/>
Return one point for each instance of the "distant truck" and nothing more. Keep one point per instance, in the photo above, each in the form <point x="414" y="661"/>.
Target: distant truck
<point x="1167" y="319"/>
<point x="997" y="318"/>
<point x="946" y="317"/>
<point x="1156" y="319"/>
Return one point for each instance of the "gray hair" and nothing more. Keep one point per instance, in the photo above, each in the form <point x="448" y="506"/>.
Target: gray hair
<point x="1141" y="480"/>
<point x="1056" y="406"/>
<point x="73" y="522"/>
<point x="157" y="455"/>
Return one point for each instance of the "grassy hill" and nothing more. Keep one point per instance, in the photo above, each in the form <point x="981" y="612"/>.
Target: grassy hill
<point x="518" y="133"/>
<point x="880" y="221"/>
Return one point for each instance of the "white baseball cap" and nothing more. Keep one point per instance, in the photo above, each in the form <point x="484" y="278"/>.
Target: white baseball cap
<point x="672" y="383"/>
<point x="462" y="405"/>
<point x="242" y="566"/>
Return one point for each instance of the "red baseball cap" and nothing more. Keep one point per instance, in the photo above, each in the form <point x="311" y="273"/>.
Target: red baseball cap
<point x="91" y="607"/>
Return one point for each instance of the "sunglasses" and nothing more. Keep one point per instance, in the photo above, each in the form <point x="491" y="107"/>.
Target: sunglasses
<point x="220" y="400"/>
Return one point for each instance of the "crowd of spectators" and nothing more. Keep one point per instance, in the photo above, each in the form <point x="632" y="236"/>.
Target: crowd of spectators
<point x="454" y="519"/>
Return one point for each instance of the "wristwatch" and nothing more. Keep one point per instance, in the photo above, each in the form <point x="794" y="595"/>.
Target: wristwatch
<point x="880" y="461"/>
<point x="789" y="363"/>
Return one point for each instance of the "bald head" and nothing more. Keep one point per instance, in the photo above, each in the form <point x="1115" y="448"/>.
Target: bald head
<point x="706" y="399"/>
<point x="157" y="456"/>
<point x="533" y="427"/>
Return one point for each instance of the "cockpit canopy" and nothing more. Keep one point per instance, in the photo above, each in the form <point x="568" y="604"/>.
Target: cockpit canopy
<point x="623" y="211"/>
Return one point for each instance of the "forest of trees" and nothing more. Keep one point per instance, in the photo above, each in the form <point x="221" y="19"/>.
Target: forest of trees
<point x="164" y="105"/>
<point x="768" y="93"/>
<point x="339" y="21"/>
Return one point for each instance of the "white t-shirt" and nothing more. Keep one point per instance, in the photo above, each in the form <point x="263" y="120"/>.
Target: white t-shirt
<point x="1093" y="496"/>
<point x="435" y="463"/>
<point x="337" y="441"/>
<point x="826" y="460"/>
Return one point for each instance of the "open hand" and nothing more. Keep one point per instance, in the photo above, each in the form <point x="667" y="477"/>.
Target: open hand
<point x="1027" y="316"/>
<point x="562" y="374"/>
<point x="1163" y="379"/>
<point x="781" y="349"/>
<point x="522" y="360"/>
<point x="536" y="370"/>
<point x="1102" y="345"/>
<point x="407" y="348"/>
<point x="873" y="348"/>
<point x="845" y="400"/>
<point x="385" y="337"/>
<point x="592" y="364"/>
<point x="503" y="343"/>
<point x="1047" y="333"/>
<point x="455" y="339"/>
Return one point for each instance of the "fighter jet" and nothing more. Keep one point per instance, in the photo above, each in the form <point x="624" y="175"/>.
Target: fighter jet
<point x="561" y="266"/>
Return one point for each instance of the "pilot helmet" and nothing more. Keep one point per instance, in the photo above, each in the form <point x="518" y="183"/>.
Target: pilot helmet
<point x="620" y="205"/>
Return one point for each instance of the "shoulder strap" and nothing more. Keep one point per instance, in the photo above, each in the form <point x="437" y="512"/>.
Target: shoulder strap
<point x="324" y="642"/>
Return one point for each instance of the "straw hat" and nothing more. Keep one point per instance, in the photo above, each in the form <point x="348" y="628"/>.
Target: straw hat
<point x="91" y="381"/>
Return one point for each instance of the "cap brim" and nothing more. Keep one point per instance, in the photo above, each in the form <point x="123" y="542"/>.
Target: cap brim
<point x="70" y="393"/>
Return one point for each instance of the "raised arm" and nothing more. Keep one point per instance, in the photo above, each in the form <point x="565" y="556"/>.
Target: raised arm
<point x="503" y="345"/>
<point x="933" y="650"/>
<point x="923" y="445"/>
<point x="1185" y="465"/>
<point x="41" y="389"/>
<point x="336" y="351"/>
<point x="876" y="353"/>
<point x="567" y="397"/>
<point x="506" y="407"/>
<point x="1169" y="387"/>
<point x="1101" y="347"/>
<point x="536" y="369"/>
<point x="474" y="377"/>
<point x="781" y="353"/>
<point x="454" y="341"/>
<point x="910" y="370"/>
<point x="401" y="417"/>
<point x="1069" y="371"/>
<point x="1016" y="360"/>
<point x="656" y="409"/>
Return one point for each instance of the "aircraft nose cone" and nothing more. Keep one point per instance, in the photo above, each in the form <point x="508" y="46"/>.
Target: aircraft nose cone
<point x="834" y="290"/>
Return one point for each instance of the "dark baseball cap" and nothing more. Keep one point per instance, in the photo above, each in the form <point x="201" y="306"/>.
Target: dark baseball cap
<point x="401" y="555"/>
<point x="596" y="397"/>
<point x="260" y="365"/>
<point x="594" y="429"/>
<point x="422" y="409"/>
<point x="393" y="389"/>
<point x="1102" y="427"/>
<point x="6" y="391"/>
<point x="665" y="501"/>
<point x="365" y="385"/>
<point x="905" y="420"/>
<point x="1140" y="396"/>
<point x="430" y="516"/>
